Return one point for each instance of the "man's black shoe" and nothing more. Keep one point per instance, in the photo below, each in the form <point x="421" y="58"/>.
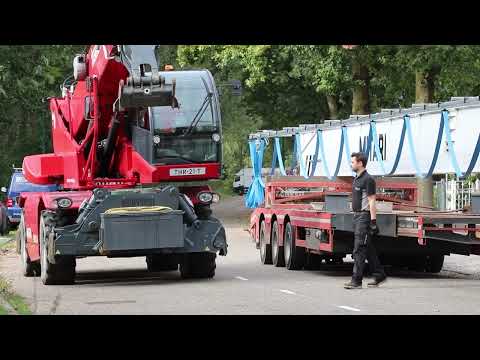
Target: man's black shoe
<point x="352" y="285"/>
<point x="377" y="281"/>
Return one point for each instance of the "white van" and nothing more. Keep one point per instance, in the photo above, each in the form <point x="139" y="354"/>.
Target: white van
<point x="243" y="179"/>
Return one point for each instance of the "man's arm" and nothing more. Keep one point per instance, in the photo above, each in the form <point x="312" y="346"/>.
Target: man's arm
<point x="373" y="206"/>
<point x="371" y="191"/>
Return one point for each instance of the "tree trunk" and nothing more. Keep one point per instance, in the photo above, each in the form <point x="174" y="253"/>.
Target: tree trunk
<point x="424" y="91"/>
<point x="361" y="98"/>
<point x="332" y="106"/>
<point x="424" y="86"/>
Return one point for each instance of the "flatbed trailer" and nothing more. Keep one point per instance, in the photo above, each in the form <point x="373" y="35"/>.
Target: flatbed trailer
<point x="304" y="223"/>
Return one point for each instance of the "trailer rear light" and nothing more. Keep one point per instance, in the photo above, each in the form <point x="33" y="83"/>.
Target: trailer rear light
<point x="64" y="203"/>
<point x="9" y="202"/>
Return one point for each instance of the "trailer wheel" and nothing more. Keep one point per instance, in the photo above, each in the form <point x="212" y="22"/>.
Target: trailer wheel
<point x="198" y="265"/>
<point x="265" y="249"/>
<point x="313" y="261"/>
<point x="278" y="258"/>
<point x="161" y="262"/>
<point x="294" y="255"/>
<point x="62" y="272"/>
<point x="416" y="263"/>
<point x="434" y="263"/>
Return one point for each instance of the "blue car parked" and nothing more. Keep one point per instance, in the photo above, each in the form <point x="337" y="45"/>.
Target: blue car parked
<point x="19" y="184"/>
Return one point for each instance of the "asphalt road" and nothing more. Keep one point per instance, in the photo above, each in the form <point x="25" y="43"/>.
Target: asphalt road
<point x="243" y="286"/>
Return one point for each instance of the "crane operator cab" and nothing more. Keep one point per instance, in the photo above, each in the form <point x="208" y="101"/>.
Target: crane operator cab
<point x="187" y="133"/>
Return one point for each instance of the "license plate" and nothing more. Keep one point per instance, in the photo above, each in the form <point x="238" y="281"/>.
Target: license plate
<point x="188" y="171"/>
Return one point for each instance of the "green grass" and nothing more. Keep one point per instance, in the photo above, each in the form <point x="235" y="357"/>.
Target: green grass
<point x="3" y="311"/>
<point x="16" y="301"/>
<point x="9" y="242"/>
<point x="223" y="188"/>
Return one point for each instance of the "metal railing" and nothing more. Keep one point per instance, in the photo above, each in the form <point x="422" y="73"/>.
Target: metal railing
<point x="454" y="194"/>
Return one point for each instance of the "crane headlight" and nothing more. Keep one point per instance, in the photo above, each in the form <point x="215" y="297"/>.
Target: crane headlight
<point x="216" y="137"/>
<point x="64" y="203"/>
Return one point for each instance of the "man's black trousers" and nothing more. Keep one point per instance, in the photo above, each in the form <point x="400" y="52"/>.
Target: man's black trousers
<point x="364" y="249"/>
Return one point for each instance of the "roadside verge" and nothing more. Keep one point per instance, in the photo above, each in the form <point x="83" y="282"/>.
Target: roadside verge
<point x="10" y="302"/>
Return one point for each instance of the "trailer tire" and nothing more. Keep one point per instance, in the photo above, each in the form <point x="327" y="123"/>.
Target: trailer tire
<point x="294" y="255"/>
<point x="417" y="263"/>
<point x="434" y="263"/>
<point x="198" y="265"/>
<point x="278" y="258"/>
<point x="161" y="262"/>
<point x="313" y="261"/>
<point x="265" y="249"/>
<point x="62" y="272"/>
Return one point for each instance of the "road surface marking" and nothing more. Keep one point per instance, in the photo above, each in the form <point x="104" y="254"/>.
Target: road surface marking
<point x="349" y="308"/>
<point x="288" y="292"/>
<point x="241" y="278"/>
<point x="111" y="302"/>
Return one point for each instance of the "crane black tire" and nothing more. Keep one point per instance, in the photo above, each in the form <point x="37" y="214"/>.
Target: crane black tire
<point x="294" y="255"/>
<point x="17" y="241"/>
<point x="62" y="272"/>
<point x="277" y="251"/>
<point x="29" y="268"/>
<point x="3" y="220"/>
<point x="198" y="265"/>
<point x="265" y="249"/>
<point x="162" y="262"/>
<point x="434" y="263"/>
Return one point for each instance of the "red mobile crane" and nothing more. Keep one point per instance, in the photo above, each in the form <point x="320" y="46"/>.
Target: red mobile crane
<point x="134" y="148"/>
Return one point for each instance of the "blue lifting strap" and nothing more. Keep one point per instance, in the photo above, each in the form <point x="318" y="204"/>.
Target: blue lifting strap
<point x="347" y="148"/>
<point x="255" y="194"/>
<point x="303" y="171"/>
<point x="400" y="148"/>
<point x="369" y="142"/>
<point x="451" y="149"/>
<point x="339" y="159"/>
<point x="315" y="156"/>
<point x="322" y="154"/>
<point x="378" y="153"/>
<point x="413" y="157"/>
<point x="437" y="146"/>
<point x="274" y="160"/>
<point x="474" y="159"/>
<point x="277" y="156"/>
<point x="294" y="156"/>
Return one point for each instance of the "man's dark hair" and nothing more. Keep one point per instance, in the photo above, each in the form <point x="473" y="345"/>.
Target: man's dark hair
<point x="360" y="156"/>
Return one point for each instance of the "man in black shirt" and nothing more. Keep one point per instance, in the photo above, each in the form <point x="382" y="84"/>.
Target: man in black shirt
<point x="364" y="224"/>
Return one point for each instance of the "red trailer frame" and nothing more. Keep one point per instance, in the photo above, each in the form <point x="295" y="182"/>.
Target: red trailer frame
<point x="407" y="231"/>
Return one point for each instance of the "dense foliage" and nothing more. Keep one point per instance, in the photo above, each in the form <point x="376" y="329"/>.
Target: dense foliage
<point x="28" y="75"/>
<point x="283" y="85"/>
